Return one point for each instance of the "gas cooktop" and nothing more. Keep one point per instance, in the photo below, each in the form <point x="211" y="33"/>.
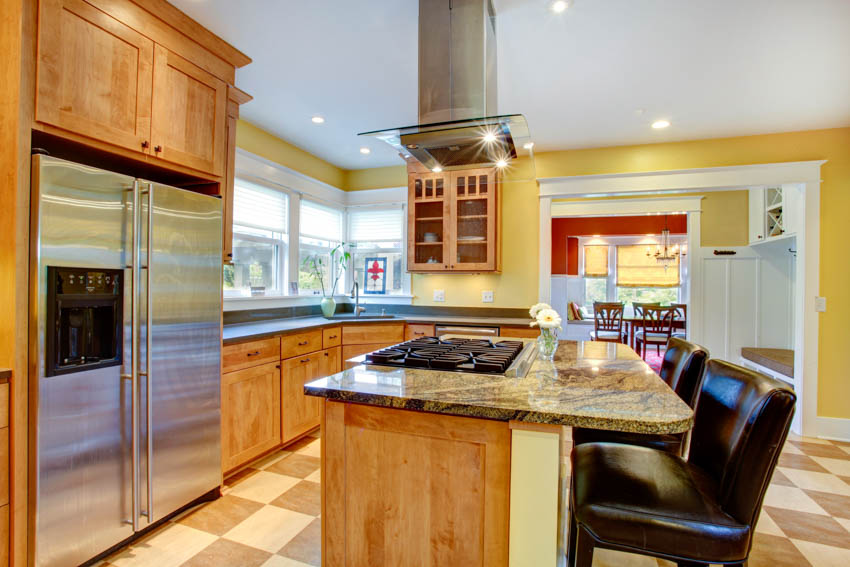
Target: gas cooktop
<point x="479" y="356"/>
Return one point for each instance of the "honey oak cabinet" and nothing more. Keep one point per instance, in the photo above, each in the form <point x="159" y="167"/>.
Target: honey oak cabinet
<point x="417" y="331"/>
<point x="250" y="413"/>
<point x="453" y="221"/>
<point x="300" y="412"/>
<point x="330" y="362"/>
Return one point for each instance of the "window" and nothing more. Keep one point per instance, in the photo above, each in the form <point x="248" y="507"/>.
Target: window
<point x="260" y="241"/>
<point x="320" y="232"/>
<point x="595" y="261"/>
<point x="376" y="235"/>
<point x="642" y="278"/>
<point x="595" y="289"/>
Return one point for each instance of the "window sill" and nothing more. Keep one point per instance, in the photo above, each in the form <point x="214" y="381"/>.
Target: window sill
<point x="272" y="301"/>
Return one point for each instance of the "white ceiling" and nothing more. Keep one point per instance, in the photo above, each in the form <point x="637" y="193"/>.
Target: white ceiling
<point x="597" y="75"/>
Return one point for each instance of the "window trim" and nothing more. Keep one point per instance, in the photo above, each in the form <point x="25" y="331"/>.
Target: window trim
<point x="406" y="290"/>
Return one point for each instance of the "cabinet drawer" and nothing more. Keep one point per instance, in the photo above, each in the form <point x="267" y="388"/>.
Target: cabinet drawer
<point x="370" y="334"/>
<point x="331" y="337"/>
<point x="301" y="343"/>
<point x="245" y="355"/>
<point x="520" y="332"/>
<point x="417" y="331"/>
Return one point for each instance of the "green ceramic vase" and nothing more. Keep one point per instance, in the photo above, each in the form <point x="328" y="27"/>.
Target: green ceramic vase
<point x="328" y="306"/>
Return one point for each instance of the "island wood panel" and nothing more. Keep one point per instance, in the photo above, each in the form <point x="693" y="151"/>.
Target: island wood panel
<point x="409" y="488"/>
<point x="331" y="337"/>
<point x="392" y="333"/>
<point x="417" y="331"/>
<point x="519" y="332"/>
<point x="252" y="353"/>
<point x="189" y="114"/>
<point x="94" y="75"/>
<point x="300" y="411"/>
<point x="250" y="413"/>
<point x="300" y="343"/>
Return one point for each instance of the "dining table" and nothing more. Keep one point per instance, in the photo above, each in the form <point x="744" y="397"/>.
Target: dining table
<point x="632" y="324"/>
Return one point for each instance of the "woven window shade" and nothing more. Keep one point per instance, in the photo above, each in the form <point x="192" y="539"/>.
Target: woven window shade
<point x="596" y="261"/>
<point x="636" y="269"/>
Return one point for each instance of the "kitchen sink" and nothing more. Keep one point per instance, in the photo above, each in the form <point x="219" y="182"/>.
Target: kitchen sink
<point x="350" y="316"/>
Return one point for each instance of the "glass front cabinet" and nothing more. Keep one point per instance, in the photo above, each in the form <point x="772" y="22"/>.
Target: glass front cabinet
<point x="453" y="221"/>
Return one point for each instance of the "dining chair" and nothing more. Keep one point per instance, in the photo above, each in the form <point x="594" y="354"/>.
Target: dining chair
<point x="682" y="370"/>
<point x="607" y="322"/>
<point x="637" y="317"/>
<point x="695" y="511"/>
<point x="681" y="315"/>
<point x="656" y="328"/>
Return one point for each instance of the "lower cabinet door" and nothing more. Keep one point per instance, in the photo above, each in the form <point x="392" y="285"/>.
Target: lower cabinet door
<point x="300" y="413"/>
<point x="250" y="413"/>
<point x="331" y="362"/>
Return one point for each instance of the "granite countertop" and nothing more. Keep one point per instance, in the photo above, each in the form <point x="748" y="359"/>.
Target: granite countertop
<point x="254" y="330"/>
<point x="777" y="359"/>
<point x="5" y="374"/>
<point x="589" y="384"/>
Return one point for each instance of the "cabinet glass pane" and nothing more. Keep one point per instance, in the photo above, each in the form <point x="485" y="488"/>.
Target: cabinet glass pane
<point x="471" y="229"/>
<point x="428" y="233"/>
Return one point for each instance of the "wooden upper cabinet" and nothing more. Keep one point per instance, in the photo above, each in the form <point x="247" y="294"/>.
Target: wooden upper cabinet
<point x="94" y="75"/>
<point x="453" y="221"/>
<point x="189" y="113"/>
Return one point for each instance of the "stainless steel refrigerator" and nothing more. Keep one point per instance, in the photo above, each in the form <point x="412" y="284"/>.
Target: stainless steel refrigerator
<point x="126" y="386"/>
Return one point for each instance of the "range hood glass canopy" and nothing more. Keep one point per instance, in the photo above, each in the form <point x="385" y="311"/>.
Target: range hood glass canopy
<point x="461" y="144"/>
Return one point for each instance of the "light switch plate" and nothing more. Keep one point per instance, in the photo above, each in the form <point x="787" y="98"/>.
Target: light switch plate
<point x="439" y="295"/>
<point x="486" y="296"/>
<point x="820" y="304"/>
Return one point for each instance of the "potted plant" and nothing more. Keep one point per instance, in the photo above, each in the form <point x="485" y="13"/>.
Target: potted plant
<point x="549" y="321"/>
<point x="315" y="265"/>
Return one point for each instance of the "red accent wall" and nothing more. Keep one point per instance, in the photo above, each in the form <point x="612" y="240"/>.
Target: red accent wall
<point x="566" y="231"/>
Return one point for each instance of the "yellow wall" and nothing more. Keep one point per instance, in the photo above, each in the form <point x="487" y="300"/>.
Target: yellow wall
<point x="376" y="178"/>
<point x="259" y="142"/>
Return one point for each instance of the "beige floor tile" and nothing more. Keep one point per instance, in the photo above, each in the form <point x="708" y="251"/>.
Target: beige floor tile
<point x="222" y="515"/>
<point x="611" y="558"/>
<point x="791" y="449"/>
<point x="802" y="462"/>
<point x="800" y="438"/>
<point x="774" y="551"/>
<point x="792" y="499"/>
<point x="820" y="555"/>
<point x="297" y="464"/>
<point x="820" y="450"/>
<point x="837" y="505"/>
<point x="835" y="466"/>
<point x="823" y="482"/>
<point x="314" y="449"/>
<point x="270" y="460"/>
<point x="314" y="476"/>
<point x="306" y="546"/>
<point x="270" y="528"/>
<point x="811" y="527"/>
<point x="264" y="486"/>
<point x="226" y="553"/>
<point x="168" y="547"/>
<point x="766" y="525"/>
<point x="304" y="497"/>
<point x="280" y="561"/>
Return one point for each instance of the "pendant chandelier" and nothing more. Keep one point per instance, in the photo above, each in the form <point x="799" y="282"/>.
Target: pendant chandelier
<point x="665" y="253"/>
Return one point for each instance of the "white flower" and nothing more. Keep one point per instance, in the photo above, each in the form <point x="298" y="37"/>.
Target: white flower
<point x="547" y="319"/>
<point x="537" y="308"/>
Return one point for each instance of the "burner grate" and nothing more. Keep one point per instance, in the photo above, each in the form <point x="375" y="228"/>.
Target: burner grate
<point x="457" y="354"/>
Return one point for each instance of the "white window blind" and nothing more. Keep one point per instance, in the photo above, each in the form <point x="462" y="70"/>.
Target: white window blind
<point x="375" y="224"/>
<point x="320" y="222"/>
<point x="260" y="207"/>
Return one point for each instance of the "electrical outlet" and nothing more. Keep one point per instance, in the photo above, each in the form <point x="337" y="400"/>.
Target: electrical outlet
<point x="820" y="304"/>
<point x="486" y="296"/>
<point x="439" y="295"/>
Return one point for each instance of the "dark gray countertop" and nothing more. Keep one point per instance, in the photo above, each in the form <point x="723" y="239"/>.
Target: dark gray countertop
<point x="237" y="332"/>
<point x="589" y="384"/>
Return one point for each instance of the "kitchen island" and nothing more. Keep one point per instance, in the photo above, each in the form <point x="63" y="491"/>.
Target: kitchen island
<point x="426" y="467"/>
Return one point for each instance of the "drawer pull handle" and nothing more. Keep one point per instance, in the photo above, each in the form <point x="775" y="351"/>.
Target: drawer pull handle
<point x="332" y="336"/>
<point x="303" y="343"/>
<point x="255" y="353"/>
<point x="277" y="366"/>
<point x="418" y="332"/>
<point x="305" y="360"/>
<point x="326" y="354"/>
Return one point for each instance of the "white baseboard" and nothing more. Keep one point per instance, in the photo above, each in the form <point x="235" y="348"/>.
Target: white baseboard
<point x="835" y="428"/>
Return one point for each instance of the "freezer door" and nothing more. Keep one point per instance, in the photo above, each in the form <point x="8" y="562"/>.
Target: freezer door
<point x="183" y="459"/>
<point x="80" y="447"/>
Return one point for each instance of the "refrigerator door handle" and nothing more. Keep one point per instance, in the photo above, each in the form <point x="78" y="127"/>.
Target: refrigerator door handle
<point x="148" y="357"/>
<point x="134" y="364"/>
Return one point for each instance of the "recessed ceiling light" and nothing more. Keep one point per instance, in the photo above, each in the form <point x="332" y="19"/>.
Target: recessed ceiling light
<point x="489" y="137"/>
<point x="501" y="163"/>
<point x="317" y="120"/>
<point x="559" y="6"/>
<point x="528" y="145"/>
<point x="365" y="151"/>
<point x="596" y="235"/>
<point x="437" y="169"/>
<point x="659" y="124"/>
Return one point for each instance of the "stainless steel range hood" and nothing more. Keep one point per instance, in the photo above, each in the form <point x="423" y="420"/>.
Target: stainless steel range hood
<point x="458" y="125"/>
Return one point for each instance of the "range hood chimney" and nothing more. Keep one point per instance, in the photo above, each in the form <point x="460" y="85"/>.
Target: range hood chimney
<point x="458" y="126"/>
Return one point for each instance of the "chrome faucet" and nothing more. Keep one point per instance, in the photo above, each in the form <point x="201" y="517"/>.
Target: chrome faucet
<point x="355" y="295"/>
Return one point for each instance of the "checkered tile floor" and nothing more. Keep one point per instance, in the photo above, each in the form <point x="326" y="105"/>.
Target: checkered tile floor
<point x="268" y="516"/>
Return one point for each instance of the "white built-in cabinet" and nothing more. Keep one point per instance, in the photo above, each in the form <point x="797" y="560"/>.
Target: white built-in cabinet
<point x="774" y="212"/>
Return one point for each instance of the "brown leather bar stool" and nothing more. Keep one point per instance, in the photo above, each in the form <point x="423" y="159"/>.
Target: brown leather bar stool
<point x="697" y="511"/>
<point x="607" y="322"/>
<point x="682" y="369"/>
